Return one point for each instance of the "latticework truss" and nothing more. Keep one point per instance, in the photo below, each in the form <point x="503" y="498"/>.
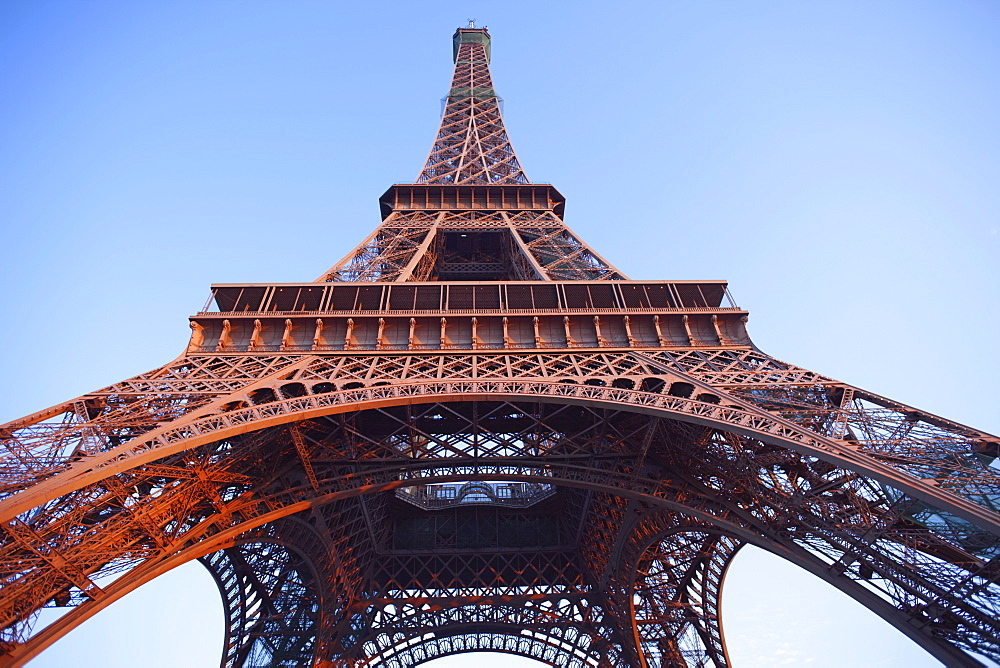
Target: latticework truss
<point x="472" y="146"/>
<point x="472" y="214"/>
<point x="394" y="463"/>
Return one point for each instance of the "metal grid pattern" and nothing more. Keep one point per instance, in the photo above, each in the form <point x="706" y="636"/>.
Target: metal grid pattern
<point x="287" y="470"/>
<point x="923" y="557"/>
<point x="472" y="149"/>
<point x="472" y="145"/>
<point x="410" y="246"/>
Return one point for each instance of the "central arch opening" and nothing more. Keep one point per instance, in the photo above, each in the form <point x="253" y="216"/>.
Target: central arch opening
<point x="450" y="506"/>
<point x="484" y="660"/>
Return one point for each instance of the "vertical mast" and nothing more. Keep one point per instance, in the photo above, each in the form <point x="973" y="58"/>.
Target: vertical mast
<point x="472" y="146"/>
<point x="472" y="214"/>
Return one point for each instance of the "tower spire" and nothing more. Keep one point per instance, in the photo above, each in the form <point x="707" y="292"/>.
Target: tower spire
<point x="472" y="146"/>
<point x="472" y="214"/>
<point x="474" y="434"/>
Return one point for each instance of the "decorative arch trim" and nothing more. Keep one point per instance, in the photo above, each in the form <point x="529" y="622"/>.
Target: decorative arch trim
<point x="230" y="537"/>
<point x="735" y="416"/>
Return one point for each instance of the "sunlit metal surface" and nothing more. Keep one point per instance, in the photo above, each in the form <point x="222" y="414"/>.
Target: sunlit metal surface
<point x="474" y="433"/>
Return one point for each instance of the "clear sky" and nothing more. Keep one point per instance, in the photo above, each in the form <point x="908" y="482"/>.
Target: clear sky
<point x="838" y="162"/>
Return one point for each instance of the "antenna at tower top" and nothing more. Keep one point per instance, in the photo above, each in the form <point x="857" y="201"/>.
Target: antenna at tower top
<point x="472" y="23"/>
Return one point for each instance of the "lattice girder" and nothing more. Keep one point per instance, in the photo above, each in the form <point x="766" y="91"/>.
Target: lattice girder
<point x="411" y="246"/>
<point x="678" y="588"/>
<point x="471" y="150"/>
<point x="651" y="449"/>
<point x="226" y="416"/>
<point x="863" y="518"/>
<point x="400" y="624"/>
<point x="271" y="603"/>
<point x="472" y="145"/>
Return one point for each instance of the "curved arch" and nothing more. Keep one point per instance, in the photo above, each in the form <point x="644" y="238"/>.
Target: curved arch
<point x="370" y="485"/>
<point x="737" y="417"/>
<point x="270" y="603"/>
<point x="545" y="650"/>
<point x="801" y="558"/>
<point x="679" y="590"/>
<point x="566" y="644"/>
<point x="355" y="487"/>
<point x="282" y="574"/>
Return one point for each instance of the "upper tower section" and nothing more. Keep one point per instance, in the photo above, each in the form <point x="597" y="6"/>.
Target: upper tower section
<point x="472" y="214"/>
<point x="471" y="257"/>
<point x="472" y="146"/>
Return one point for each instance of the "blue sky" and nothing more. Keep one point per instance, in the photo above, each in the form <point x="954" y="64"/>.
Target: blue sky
<point x="837" y="162"/>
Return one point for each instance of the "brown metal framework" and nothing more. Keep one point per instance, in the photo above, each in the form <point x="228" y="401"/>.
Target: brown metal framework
<point x="473" y="433"/>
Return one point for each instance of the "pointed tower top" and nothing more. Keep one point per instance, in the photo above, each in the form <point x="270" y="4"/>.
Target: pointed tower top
<point x="472" y="214"/>
<point x="472" y="146"/>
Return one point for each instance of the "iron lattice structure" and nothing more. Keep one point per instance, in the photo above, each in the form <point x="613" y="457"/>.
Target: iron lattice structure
<point x="475" y="433"/>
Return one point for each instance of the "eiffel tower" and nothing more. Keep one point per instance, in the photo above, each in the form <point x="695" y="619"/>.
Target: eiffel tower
<point x="474" y="433"/>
